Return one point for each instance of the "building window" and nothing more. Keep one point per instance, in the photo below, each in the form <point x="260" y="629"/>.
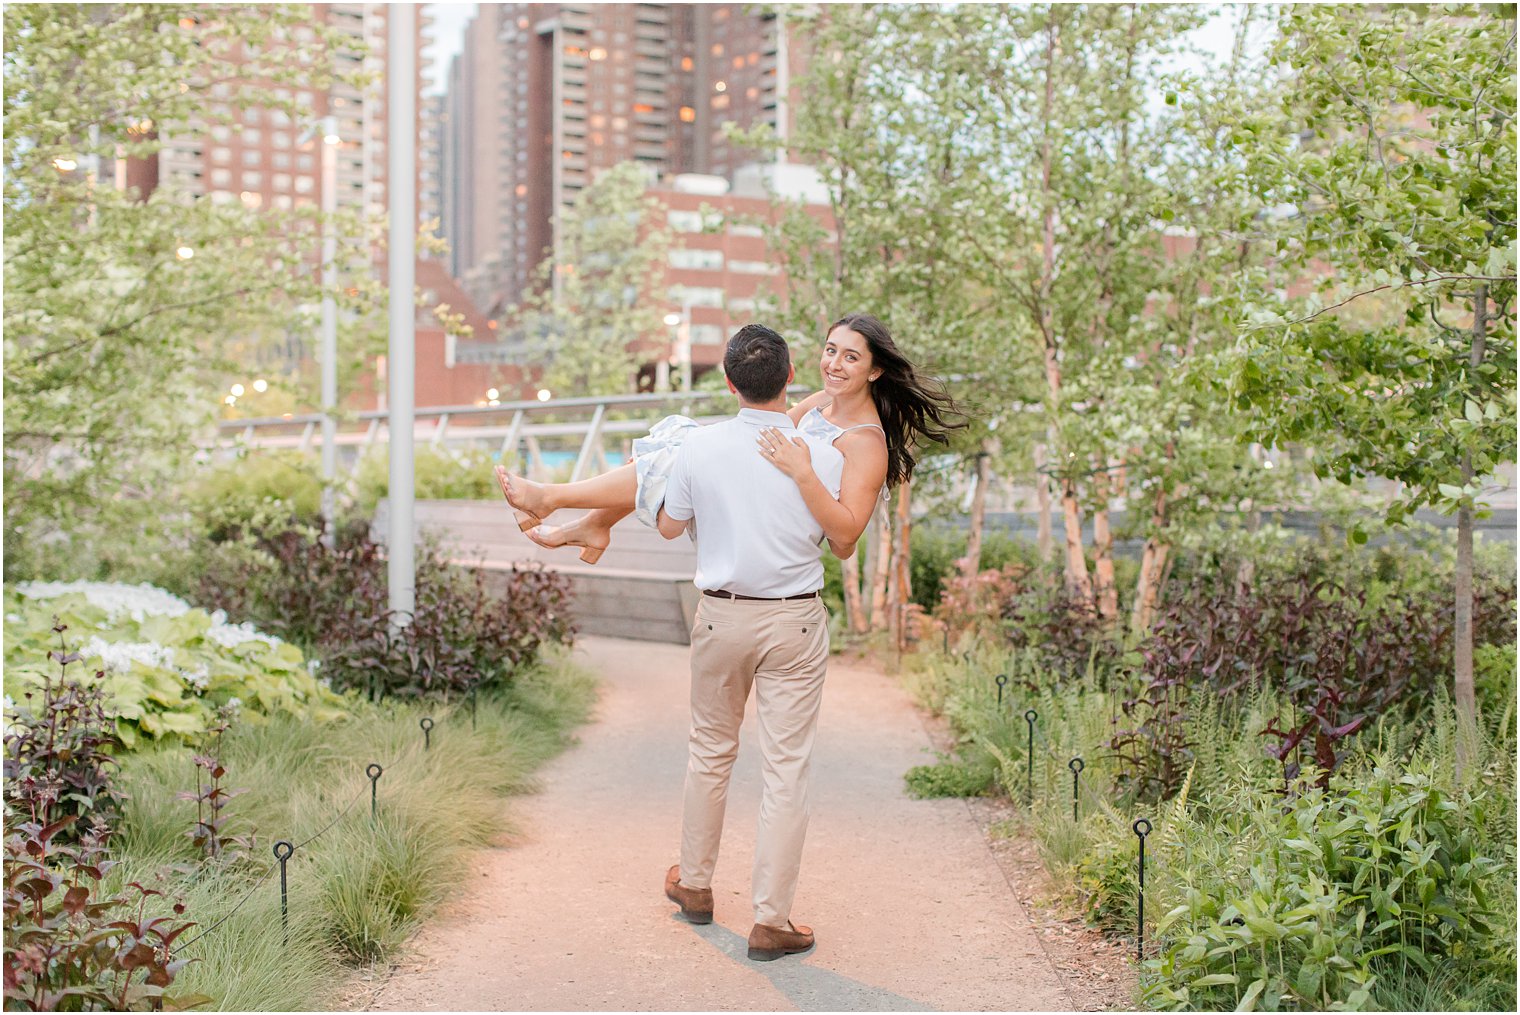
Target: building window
<point x="250" y="157"/>
<point x="304" y="185"/>
<point x="221" y="177"/>
<point x="707" y="334"/>
<point x="697" y="295"/>
<point x="685" y="221"/>
<point x="720" y="101"/>
<point x="280" y="160"/>
<point x="304" y="162"/>
<point x="220" y="155"/>
<point x="281" y="181"/>
<point x="717" y="49"/>
<point x="253" y="180"/>
<point x="688" y="114"/>
<point x="697" y="260"/>
<point x="752" y="267"/>
<point x="686" y="63"/>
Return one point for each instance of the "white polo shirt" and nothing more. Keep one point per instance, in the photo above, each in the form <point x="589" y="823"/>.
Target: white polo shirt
<point x="754" y="534"/>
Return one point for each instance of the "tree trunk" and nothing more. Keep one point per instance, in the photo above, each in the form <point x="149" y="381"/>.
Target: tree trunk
<point x="900" y="588"/>
<point x="1463" y="692"/>
<point x="881" y="539"/>
<point x="1153" y="560"/>
<point x="1078" y="585"/>
<point x="1044" y="540"/>
<point x="1106" y="591"/>
<point x="972" y="562"/>
<point x="849" y="573"/>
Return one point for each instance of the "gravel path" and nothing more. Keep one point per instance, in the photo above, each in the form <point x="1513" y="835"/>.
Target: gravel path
<point x="911" y="909"/>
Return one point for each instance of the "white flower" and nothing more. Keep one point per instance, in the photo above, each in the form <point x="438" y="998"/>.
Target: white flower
<point x="234" y="703"/>
<point x="138" y="601"/>
<point x="13" y="618"/>
<point x="120" y="655"/>
<point x="233" y="635"/>
<point x="197" y="678"/>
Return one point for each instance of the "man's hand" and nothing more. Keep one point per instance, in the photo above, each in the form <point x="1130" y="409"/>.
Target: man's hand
<point x="791" y="456"/>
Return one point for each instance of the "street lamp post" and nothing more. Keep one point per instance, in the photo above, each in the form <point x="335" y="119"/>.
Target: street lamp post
<point x="401" y="195"/>
<point x="330" y="142"/>
<point x="662" y="365"/>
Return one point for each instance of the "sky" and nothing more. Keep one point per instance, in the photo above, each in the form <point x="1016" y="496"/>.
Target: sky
<point x="448" y="32"/>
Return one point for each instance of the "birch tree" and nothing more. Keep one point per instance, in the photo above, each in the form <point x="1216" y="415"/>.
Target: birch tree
<point x="1394" y="144"/>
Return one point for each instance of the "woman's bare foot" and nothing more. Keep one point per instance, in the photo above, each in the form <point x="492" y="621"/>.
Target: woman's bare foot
<point x="592" y="540"/>
<point x="529" y="499"/>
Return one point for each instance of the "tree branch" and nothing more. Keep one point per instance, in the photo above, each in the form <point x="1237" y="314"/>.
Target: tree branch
<point x="1391" y="285"/>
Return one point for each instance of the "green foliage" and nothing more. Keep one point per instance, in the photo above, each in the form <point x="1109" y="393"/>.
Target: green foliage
<point x="233" y="495"/>
<point x="596" y="301"/>
<point x="468" y="627"/>
<point x="1386" y="873"/>
<point x="1407" y="187"/>
<point x="362" y="887"/>
<point x="949" y="779"/>
<point x="167" y="668"/>
<point x="115" y="336"/>
<point x="439" y="474"/>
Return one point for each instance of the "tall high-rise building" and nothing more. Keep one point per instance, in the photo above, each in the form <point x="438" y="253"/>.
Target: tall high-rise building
<point x="545" y="95"/>
<point x="265" y="160"/>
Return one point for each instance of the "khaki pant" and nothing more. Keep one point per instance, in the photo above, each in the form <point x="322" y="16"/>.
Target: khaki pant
<point x="782" y="650"/>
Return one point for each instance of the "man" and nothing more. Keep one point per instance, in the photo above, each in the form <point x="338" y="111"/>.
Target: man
<point x="760" y="623"/>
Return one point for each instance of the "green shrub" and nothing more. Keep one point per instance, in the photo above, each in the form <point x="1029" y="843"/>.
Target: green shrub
<point x="1342" y="885"/>
<point x="227" y="496"/>
<point x="950" y="779"/>
<point x="168" y="667"/>
<point x="446" y="474"/>
<point x="465" y="630"/>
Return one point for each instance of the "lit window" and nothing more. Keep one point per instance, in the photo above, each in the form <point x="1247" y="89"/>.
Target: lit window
<point x="598" y="53"/>
<point x="717" y="49"/>
<point x="686" y="63"/>
<point x="522" y="189"/>
<point x="752" y="92"/>
<point x="642" y="107"/>
<point x="720" y="101"/>
<point x="688" y="115"/>
<point x="754" y="58"/>
<point x="738" y="62"/>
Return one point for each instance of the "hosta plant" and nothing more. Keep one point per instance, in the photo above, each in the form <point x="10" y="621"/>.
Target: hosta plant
<point x="167" y="667"/>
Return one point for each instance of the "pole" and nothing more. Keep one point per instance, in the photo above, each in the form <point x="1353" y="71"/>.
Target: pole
<point x="683" y="345"/>
<point x="329" y="323"/>
<point x="401" y="110"/>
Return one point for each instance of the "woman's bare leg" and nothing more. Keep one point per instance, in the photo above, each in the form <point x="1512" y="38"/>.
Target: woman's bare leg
<point x="615" y="488"/>
<point x="592" y="529"/>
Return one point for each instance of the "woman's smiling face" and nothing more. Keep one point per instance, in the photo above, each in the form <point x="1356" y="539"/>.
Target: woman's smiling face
<point x="846" y="362"/>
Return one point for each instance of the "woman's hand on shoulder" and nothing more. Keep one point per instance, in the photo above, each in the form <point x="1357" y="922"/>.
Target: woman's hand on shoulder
<point x="816" y="400"/>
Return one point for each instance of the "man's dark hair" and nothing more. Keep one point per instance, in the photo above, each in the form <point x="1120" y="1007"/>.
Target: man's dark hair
<point x="758" y="362"/>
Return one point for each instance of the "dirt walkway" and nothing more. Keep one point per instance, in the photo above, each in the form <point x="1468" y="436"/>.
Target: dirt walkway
<point x="911" y="910"/>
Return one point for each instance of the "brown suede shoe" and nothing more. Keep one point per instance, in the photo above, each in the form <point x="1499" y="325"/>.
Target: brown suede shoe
<point x="696" y="903"/>
<point x="768" y="943"/>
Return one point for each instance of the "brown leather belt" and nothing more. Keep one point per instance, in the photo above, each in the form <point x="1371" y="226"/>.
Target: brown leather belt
<point x="721" y="594"/>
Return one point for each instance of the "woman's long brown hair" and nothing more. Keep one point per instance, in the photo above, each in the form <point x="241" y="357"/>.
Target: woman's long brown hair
<point x="912" y="408"/>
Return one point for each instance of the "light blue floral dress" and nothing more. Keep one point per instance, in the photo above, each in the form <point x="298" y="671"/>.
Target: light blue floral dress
<point x="654" y="454"/>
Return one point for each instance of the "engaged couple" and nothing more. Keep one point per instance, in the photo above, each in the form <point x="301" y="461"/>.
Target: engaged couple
<point x="758" y="528"/>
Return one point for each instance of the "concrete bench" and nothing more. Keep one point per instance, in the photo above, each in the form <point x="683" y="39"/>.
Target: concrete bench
<point x="641" y="588"/>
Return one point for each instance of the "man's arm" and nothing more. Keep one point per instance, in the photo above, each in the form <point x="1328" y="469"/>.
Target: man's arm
<point x="669" y="527"/>
<point x="841" y="550"/>
<point x="677" y="497"/>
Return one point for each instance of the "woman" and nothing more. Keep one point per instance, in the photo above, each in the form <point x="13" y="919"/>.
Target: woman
<point x="873" y="408"/>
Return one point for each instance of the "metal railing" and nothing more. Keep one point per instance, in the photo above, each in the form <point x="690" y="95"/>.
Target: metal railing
<point x="506" y="428"/>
